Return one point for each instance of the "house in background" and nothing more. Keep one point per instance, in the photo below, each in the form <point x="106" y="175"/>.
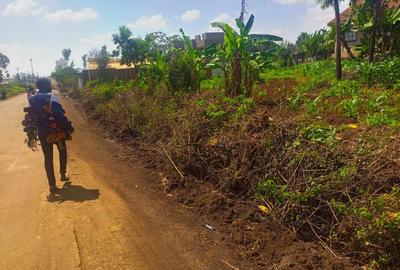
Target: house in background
<point x="353" y="38"/>
<point x="203" y="41"/>
<point x="208" y="39"/>
<point x="114" y="63"/>
<point x="114" y="69"/>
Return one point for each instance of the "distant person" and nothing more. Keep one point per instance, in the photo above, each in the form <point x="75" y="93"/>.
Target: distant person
<point x="53" y="128"/>
<point x="30" y="91"/>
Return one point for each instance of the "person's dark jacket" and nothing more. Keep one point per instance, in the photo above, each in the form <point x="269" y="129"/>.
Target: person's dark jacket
<point x="38" y="102"/>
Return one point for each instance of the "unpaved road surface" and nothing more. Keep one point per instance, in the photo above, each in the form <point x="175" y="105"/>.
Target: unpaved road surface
<point x="108" y="217"/>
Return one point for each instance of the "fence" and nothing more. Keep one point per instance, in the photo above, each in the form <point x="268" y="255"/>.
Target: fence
<point x="125" y="74"/>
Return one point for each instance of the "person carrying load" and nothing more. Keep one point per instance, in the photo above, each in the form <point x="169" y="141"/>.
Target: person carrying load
<point x="52" y="128"/>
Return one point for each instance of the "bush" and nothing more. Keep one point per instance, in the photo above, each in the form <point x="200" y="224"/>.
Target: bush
<point x="182" y="73"/>
<point x="319" y="133"/>
<point x="384" y="72"/>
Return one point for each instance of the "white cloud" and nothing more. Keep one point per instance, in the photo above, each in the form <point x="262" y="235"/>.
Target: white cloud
<point x="148" y="23"/>
<point x="225" y="18"/>
<point x="39" y="11"/>
<point x="22" y="7"/>
<point x="316" y="18"/>
<point x="191" y="15"/>
<point x="69" y="15"/>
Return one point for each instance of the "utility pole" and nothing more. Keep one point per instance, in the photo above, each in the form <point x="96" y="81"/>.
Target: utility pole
<point x="33" y="73"/>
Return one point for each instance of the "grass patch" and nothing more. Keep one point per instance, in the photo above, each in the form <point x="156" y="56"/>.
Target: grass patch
<point x="12" y="89"/>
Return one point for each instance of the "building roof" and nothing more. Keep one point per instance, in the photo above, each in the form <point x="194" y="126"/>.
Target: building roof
<point x="345" y="15"/>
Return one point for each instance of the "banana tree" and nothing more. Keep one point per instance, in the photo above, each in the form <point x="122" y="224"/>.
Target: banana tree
<point x="239" y="62"/>
<point x="390" y="26"/>
<point x="220" y="61"/>
<point x="197" y="59"/>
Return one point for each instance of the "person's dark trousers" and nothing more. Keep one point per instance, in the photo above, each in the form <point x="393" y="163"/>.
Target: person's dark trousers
<point x="48" y="159"/>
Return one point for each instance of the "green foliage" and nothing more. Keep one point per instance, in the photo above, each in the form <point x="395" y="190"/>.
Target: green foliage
<point x="242" y="58"/>
<point x="279" y="73"/>
<point x="177" y="70"/>
<point x="130" y="50"/>
<point x="351" y="107"/>
<point x="319" y="133"/>
<point x="65" y="72"/>
<point x="385" y="72"/>
<point x="284" y="54"/>
<point x="4" y="61"/>
<point x="312" y="106"/>
<point x="102" y="59"/>
<point x="319" y="69"/>
<point x="181" y="72"/>
<point x="215" y="111"/>
<point x="215" y="82"/>
<point x="389" y="117"/>
<point x="377" y="101"/>
<point x="11" y="89"/>
<point x="381" y="231"/>
<point x="271" y="190"/>
<point x="342" y="89"/>
<point x="318" y="45"/>
<point x="66" y="53"/>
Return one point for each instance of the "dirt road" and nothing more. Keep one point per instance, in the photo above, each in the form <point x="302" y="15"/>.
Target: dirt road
<point x="109" y="217"/>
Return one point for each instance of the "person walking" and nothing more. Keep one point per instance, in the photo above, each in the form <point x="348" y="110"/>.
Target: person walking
<point x="53" y="128"/>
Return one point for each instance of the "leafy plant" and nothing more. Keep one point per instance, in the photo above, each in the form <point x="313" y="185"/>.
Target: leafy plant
<point x="351" y="106"/>
<point x="215" y="111"/>
<point x="239" y="63"/>
<point x="319" y="133"/>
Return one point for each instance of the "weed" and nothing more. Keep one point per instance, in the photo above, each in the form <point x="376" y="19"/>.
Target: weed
<point x="385" y="117"/>
<point x="342" y="89"/>
<point x="319" y="133"/>
<point x="351" y="106"/>
<point x="295" y="100"/>
<point x="213" y="83"/>
<point x="312" y="106"/>
<point x="215" y="111"/>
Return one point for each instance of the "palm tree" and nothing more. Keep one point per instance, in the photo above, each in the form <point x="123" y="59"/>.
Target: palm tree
<point x="338" y="51"/>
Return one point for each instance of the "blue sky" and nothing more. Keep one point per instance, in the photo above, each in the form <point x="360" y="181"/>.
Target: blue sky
<point x="40" y="29"/>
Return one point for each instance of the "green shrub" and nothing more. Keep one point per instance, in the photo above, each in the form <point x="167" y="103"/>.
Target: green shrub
<point x="342" y="89"/>
<point x="385" y="117"/>
<point x="319" y="133"/>
<point x="380" y="233"/>
<point x="384" y="72"/>
<point x="215" y="111"/>
<point x="351" y="107"/>
<point x="213" y="83"/>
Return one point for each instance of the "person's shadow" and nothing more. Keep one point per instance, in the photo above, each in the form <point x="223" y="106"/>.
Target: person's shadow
<point x="75" y="193"/>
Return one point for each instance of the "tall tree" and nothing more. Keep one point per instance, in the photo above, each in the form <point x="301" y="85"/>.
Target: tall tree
<point x="102" y="59"/>
<point x="4" y="61"/>
<point x="301" y="38"/>
<point x="84" y="60"/>
<point x="131" y="50"/>
<point x="377" y="7"/>
<point x="64" y="71"/>
<point x="66" y="53"/>
<point x="338" y="50"/>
